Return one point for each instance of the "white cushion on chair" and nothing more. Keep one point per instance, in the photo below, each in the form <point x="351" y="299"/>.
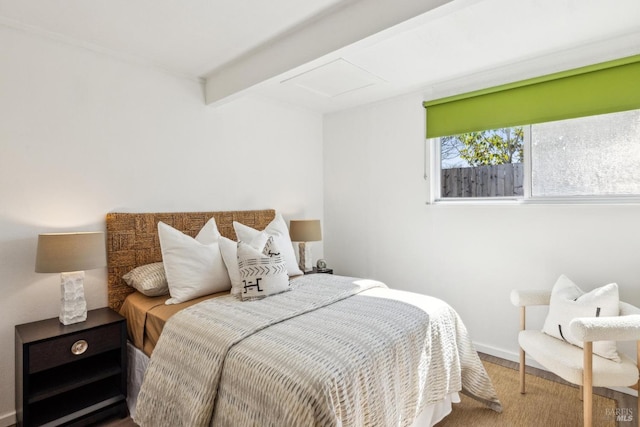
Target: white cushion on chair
<point x="568" y="302"/>
<point x="566" y="360"/>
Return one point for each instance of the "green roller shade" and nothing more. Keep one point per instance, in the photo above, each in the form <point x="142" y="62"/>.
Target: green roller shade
<point x="596" y="89"/>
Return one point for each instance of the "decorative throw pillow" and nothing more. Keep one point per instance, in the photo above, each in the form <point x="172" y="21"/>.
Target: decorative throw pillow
<point x="263" y="273"/>
<point x="568" y="301"/>
<point x="280" y="233"/>
<point x="229" y="250"/>
<point x="148" y="279"/>
<point x="193" y="267"/>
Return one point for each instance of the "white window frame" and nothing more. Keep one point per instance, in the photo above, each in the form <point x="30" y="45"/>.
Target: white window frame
<point x="432" y="168"/>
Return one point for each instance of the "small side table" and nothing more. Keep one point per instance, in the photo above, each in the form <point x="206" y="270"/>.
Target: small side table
<point x="71" y="373"/>
<point x="316" y="271"/>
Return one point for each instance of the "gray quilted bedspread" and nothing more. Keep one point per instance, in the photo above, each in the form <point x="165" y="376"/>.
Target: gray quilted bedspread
<point x="334" y="351"/>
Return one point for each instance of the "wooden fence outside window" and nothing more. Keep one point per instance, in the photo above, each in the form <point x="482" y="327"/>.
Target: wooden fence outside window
<point x="483" y="181"/>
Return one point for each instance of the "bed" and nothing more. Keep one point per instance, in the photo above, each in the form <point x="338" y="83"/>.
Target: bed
<point x="332" y="351"/>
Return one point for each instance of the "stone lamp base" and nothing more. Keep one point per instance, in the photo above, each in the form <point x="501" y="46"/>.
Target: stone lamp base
<point x="304" y="257"/>
<point x="73" y="306"/>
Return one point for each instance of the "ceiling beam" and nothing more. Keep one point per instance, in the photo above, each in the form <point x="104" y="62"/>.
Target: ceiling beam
<point x="316" y="38"/>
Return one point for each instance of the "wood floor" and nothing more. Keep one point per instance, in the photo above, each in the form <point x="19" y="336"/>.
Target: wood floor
<point x="623" y="400"/>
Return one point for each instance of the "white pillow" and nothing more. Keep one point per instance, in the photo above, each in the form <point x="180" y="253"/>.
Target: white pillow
<point x="568" y="301"/>
<point x="229" y="250"/>
<point x="278" y="229"/>
<point x="148" y="279"/>
<point x="193" y="267"/>
<point x="263" y="273"/>
<point x="208" y="233"/>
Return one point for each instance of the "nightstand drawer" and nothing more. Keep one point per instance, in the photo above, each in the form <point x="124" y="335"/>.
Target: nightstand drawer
<point x="58" y="351"/>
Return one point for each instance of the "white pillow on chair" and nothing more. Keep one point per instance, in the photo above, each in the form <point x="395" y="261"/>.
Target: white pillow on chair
<point x="568" y="301"/>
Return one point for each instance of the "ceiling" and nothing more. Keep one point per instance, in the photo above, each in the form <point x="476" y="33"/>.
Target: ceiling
<point x="328" y="55"/>
<point x="189" y="37"/>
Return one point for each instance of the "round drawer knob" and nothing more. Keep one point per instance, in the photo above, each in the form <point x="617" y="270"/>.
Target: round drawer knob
<point x="79" y="347"/>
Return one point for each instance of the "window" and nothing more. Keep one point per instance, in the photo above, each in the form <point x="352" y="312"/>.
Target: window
<point x="581" y="141"/>
<point x="481" y="164"/>
<point x="587" y="157"/>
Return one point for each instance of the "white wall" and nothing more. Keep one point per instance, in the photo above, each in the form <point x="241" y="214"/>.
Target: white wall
<point x="378" y="225"/>
<point x="83" y="134"/>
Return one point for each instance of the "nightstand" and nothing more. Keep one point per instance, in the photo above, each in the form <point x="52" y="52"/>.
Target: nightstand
<point x="71" y="373"/>
<point x="315" y="271"/>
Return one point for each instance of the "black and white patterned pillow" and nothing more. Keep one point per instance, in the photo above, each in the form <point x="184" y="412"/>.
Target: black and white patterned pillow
<point x="262" y="273"/>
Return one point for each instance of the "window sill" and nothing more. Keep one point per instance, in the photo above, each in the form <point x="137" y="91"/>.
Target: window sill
<point x="576" y="200"/>
<point x="478" y="201"/>
<point x="584" y="200"/>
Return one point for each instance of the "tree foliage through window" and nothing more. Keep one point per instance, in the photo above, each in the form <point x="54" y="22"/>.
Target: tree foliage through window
<point x="484" y="148"/>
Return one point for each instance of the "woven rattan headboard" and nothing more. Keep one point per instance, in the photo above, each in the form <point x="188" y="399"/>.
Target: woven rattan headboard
<point x="132" y="239"/>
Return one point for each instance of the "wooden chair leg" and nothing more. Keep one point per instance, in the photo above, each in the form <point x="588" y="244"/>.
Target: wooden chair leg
<point x="587" y="384"/>
<point x="523" y="316"/>
<point x="637" y="414"/>
<point x="522" y="366"/>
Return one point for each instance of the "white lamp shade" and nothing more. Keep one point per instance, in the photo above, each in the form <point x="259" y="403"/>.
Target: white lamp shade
<point x="65" y="252"/>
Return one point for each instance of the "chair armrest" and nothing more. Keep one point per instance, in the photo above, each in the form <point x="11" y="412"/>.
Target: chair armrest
<point x="523" y="298"/>
<point x="627" y="309"/>
<point x="611" y="328"/>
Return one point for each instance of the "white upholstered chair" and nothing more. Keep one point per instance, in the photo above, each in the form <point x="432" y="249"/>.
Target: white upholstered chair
<point x="574" y="364"/>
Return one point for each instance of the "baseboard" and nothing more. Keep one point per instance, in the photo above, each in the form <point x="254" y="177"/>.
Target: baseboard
<point x="8" y="419"/>
<point x="515" y="357"/>
<point x="505" y="354"/>
<point x="625" y="390"/>
<point x="497" y="352"/>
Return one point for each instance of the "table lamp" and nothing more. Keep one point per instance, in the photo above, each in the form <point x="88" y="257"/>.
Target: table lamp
<point x="302" y="231"/>
<point x="70" y="254"/>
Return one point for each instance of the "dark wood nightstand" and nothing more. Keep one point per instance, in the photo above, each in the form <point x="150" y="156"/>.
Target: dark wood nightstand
<point x="315" y="271"/>
<point x="71" y="374"/>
